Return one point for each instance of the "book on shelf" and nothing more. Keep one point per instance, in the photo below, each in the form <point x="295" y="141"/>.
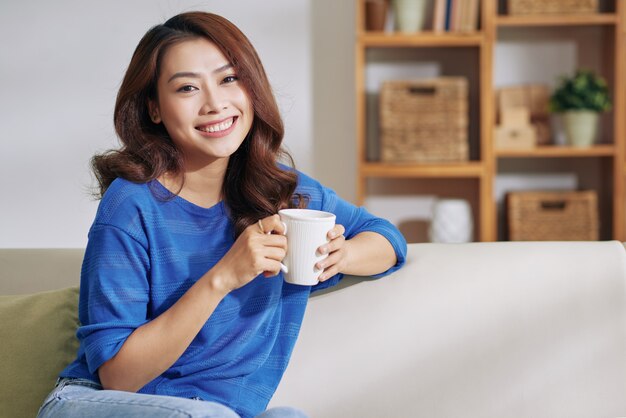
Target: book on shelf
<point x="456" y="15"/>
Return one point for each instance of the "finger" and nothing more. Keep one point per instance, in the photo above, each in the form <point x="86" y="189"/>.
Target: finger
<point x="275" y="254"/>
<point x="332" y="246"/>
<point x="328" y="273"/>
<point x="269" y="224"/>
<point x="274" y="225"/>
<point x="258" y="227"/>
<point x="272" y="268"/>
<point x="337" y="230"/>
<point x="328" y="261"/>
<point x="274" y="240"/>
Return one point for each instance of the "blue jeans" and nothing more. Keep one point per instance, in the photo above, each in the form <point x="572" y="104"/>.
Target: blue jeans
<point x="82" y="398"/>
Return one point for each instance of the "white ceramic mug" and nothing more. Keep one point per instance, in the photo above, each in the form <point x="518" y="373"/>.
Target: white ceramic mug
<point x="307" y="230"/>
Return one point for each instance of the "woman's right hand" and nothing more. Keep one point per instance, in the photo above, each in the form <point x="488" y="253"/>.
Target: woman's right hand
<point x="259" y="249"/>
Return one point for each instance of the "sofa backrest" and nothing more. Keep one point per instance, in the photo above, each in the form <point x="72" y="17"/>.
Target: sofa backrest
<point x="31" y="270"/>
<point x="470" y="330"/>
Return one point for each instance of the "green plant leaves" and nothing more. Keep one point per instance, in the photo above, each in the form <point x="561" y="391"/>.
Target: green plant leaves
<point x="584" y="91"/>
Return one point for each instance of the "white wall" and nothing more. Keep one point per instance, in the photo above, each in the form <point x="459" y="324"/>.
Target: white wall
<point x="61" y="64"/>
<point x="334" y="114"/>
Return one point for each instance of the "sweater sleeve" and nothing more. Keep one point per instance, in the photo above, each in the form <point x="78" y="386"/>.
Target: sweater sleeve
<point x="114" y="292"/>
<point x="356" y="220"/>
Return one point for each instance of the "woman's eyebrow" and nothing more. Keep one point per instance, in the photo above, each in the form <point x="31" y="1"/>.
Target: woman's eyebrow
<point x="223" y="68"/>
<point x="191" y="74"/>
<point x="184" y="74"/>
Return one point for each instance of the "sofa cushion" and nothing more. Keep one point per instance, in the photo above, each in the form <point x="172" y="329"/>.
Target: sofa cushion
<point x="37" y="334"/>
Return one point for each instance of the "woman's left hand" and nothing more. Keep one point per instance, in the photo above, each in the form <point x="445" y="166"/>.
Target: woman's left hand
<point x="337" y="250"/>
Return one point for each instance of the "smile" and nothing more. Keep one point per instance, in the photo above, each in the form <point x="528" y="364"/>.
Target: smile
<point x="217" y="127"/>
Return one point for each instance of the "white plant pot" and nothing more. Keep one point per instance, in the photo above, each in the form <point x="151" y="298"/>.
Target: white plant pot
<point x="581" y="127"/>
<point x="409" y="15"/>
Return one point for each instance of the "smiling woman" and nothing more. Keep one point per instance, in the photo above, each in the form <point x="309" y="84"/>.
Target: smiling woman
<point x="180" y="71"/>
<point x="182" y="295"/>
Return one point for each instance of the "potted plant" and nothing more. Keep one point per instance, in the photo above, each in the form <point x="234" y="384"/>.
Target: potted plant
<point x="580" y="99"/>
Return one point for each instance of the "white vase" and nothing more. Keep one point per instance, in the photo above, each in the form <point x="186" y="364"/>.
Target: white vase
<point x="580" y="127"/>
<point x="451" y="221"/>
<point x="409" y="15"/>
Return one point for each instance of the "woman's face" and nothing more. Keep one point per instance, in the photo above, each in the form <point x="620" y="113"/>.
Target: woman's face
<point x="204" y="108"/>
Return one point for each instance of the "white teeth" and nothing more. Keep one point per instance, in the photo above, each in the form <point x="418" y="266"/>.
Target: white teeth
<point x="218" y="127"/>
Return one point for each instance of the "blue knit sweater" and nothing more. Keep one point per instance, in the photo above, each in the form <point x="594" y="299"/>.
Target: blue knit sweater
<point x="145" y="252"/>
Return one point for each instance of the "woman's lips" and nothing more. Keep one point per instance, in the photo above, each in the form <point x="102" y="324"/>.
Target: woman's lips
<point x="218" y="129"/>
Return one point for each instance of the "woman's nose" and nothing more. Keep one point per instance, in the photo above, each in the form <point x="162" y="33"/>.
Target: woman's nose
<point x="214" y="102"/>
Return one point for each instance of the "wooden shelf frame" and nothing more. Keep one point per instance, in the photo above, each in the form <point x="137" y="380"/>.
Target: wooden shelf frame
<point x="424" y="39"/>
<point x="619" y="125"/>
<point x="556" y="151"/>
<point x="440" y="170"/>
<point x="558" y="20"/>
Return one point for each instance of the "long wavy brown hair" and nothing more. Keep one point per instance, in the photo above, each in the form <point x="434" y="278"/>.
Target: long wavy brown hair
<point x="254" y="185"/>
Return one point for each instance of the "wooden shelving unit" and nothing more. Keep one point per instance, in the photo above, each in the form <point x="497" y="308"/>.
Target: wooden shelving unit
<point x="486" y="161"/>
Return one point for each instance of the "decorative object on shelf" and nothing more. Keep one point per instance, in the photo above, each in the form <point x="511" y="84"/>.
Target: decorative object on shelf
<point x="533" y="97"/>
<point x="409" y="15"/>
<point x="424" y="120"/>
<point x="580" y="99"/>
<point x="552" y="216"/>
<point x="376" y="14"/>
<point x="515" y="130"/>
<point x="539" y="7"/>
<point x="451" y="222"/>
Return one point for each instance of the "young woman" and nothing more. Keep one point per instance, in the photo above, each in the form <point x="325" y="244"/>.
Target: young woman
<point x="183" y="308"/>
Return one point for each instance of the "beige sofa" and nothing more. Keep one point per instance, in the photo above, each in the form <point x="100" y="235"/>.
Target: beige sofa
<point x="467" y="330"/>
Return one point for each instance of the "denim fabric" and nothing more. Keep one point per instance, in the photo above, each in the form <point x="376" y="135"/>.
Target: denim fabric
<point x="282" y="412"/>
<point x="82" y="398"/>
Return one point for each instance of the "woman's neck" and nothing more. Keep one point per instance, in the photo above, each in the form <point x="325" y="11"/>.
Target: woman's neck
<point x="201" y="186"/>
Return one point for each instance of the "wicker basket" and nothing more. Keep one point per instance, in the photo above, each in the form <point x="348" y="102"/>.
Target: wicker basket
<point x="553" y="216"/>
<point x="534" y="7"/>
<point x="424" y="120"/>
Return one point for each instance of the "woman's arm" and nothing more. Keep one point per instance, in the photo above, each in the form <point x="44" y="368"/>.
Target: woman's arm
<point x="368" y="253"/>
<point x="155" y="346"/>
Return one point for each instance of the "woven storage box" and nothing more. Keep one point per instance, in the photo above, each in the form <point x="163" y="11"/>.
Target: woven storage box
<point x="424" y="120"/>
<point x="553" y="216"/>
<point x="533" y="7"/>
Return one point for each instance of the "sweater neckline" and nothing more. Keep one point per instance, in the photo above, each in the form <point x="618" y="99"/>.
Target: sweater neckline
<point x="164" y="192"/>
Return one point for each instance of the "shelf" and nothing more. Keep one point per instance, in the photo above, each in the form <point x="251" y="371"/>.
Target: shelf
<point x="558" y="20"/>
<point x="598" y="41"/>
<point x="438" y="170"/>
<point x="555" y="151"/>
<point x="421" y="39"/>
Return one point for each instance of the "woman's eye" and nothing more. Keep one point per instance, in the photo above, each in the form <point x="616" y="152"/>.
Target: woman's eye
<point x="230" y="79"/>
<point x="187" y="89"/>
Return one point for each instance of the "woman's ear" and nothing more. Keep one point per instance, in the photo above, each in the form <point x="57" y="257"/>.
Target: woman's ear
<point x="153" y="109"/>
